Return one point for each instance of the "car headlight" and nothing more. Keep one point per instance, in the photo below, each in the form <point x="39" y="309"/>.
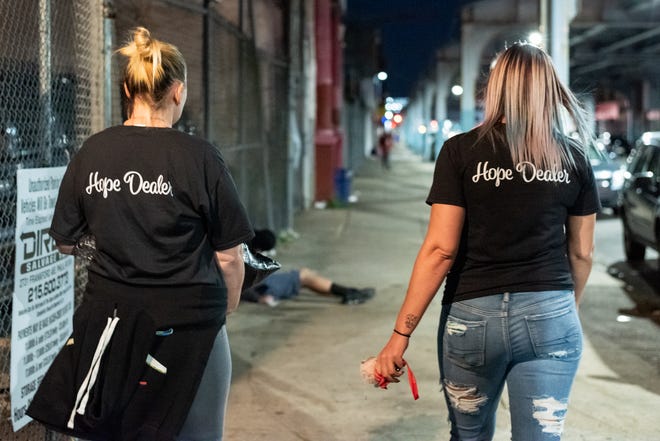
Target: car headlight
<point x="602" y="175"/>
<point x="618" y="178"/>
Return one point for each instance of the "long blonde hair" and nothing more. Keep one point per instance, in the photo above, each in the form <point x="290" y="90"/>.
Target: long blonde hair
<point x="151" y="69"/>
<point x="524" y="90"/>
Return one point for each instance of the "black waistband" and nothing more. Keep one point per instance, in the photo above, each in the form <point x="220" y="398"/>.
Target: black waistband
<point x="175" y="305"/>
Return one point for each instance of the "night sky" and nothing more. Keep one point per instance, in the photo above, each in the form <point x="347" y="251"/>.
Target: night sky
<point x="411" y="31"/>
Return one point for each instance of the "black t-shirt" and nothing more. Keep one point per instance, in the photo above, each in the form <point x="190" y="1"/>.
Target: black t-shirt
<point x="159" y="203"/>
<point x="515" y="215"/>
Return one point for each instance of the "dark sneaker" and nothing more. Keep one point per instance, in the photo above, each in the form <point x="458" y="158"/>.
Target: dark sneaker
<point x="357" y="296"/>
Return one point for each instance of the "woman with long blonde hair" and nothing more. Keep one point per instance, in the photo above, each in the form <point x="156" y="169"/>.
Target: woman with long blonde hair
<point x="513" y="210"/>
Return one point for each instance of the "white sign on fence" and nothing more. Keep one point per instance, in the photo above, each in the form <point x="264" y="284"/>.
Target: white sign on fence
<point x="42" y="307"/>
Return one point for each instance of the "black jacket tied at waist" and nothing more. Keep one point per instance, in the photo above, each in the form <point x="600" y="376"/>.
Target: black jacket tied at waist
<point x="149" y="370"/>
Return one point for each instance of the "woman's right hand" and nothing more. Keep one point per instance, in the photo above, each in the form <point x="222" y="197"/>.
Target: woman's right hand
<point x="390" y="362"/>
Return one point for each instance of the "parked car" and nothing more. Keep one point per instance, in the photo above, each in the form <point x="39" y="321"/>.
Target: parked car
<point x="614" y="145"/>
<point x="609" y="176"/>
<point x="640" y="198"/>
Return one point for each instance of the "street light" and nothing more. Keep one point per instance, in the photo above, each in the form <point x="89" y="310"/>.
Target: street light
<point x="536" y="38"/>
<point x="382" y="76"/>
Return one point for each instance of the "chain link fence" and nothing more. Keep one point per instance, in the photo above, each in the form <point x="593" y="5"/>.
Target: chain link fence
<point x="248" y="112"/>
<point x="57" y="86"/>
<point x="49" y="94"/>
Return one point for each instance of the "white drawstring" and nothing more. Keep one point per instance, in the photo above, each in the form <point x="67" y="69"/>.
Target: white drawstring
<point x="87" y="384"/>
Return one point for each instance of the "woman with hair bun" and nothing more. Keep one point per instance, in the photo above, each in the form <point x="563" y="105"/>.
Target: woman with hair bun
<point x="513" y="210"/>
<point x="148" y="358"/>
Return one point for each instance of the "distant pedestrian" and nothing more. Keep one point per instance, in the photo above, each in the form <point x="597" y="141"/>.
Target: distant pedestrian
<point x="385" y="146"/>
<point x="149" y="357"/>
<point x="513" y="210"/>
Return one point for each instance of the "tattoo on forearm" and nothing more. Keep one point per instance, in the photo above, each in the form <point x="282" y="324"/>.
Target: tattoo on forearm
<point x="411" y="321"/>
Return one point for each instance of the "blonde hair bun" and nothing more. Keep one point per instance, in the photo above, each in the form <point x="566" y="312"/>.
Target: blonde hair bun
<point x="145" y="46"/>
<point x="152" y="66"/>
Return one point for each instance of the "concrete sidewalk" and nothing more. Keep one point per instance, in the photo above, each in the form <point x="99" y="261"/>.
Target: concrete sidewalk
<point x="296" y="366"/>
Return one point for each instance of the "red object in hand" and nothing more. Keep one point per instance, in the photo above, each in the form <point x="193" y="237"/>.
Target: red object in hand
<point x="382" y="382"/>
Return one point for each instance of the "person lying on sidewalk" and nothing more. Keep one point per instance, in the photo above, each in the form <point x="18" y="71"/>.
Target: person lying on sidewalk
<point x="284" y="285"/>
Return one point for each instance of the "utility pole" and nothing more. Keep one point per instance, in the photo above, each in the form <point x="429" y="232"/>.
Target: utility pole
<point x="555" y="21"/>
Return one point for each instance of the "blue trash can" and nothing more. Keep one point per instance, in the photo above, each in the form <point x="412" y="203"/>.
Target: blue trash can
<point x="342" y="185"/>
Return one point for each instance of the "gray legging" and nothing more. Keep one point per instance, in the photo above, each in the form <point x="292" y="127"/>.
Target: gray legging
<point x="205" y="419"/>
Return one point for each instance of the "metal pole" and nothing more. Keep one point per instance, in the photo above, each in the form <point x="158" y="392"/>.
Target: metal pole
<point x="108" y="27"/>
<point x="240" y="60"/>
<point x="265" y="158"/>
<point x="293" y="149"/>
<point x="206" y="68"/>
<point x="45" y="77"/>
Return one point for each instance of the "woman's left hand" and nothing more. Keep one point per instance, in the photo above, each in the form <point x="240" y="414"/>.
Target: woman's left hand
<point x="390" y="362"/>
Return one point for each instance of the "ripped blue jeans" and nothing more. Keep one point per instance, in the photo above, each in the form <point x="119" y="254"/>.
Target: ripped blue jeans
<point x="530" y="341"/>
